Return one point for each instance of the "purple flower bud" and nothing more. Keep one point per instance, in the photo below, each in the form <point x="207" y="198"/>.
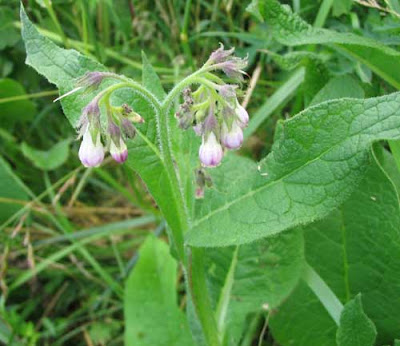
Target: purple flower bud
<point x="231" y="138"/>
<point x="227" y="91"/>
<point x="220" y="55"/>
<point x="211" y="122"/>
<point x="242" y="115"/>
<point x="92" y="80"/>
<point x="91" y="153"/>
<point x="233" y="68"/>
<point x="128" y="128"/>
<point x="119" y="153"/>
<point x="210" y="151"/>
<point x="199" y="194"/>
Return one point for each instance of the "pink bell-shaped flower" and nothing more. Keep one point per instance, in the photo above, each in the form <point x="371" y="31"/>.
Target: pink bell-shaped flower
<point x="210" y="151"/>
<point x="231" y="138"/>
<point x="91" y="153"/>
<point x="242" y="115"/>
<point x="119" y="153"/>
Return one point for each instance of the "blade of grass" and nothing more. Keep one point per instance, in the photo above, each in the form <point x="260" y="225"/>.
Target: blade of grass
<point x="105" y="231"/>
<point x="277" y="99"/>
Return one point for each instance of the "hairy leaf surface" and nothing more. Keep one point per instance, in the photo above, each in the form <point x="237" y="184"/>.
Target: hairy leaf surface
<point x="253" y="277"/>
<point x="356" y="249"/>
<point x="355" y="328"/>
<point x="317" y="160"/>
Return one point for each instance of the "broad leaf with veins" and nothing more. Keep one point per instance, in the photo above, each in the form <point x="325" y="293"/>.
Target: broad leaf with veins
<point x="318" y="158"/>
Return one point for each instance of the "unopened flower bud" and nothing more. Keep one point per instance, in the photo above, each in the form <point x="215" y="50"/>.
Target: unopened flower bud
<point x="92" y="80"/>
<point x="233" y="68"/>
<point x="119" y="152"/>
<point x="231" y="138"/>
<point x="114" y="131"/>
<point x="242" y="115"/>
<point x="199" y="193"/>
<point x="91" y="153"/>
<point x="127" y="128"/>
<point x="210" y="151"/>
<point x="228" y="91"/>
<point x="220" y="55"/>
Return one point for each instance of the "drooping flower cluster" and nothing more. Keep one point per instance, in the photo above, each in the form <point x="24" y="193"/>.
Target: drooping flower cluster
<point x="213" y="110"/>
<point x="95" y="141"/>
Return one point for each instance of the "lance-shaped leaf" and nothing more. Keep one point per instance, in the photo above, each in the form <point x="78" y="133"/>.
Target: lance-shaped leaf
<point x="288" y="28"/>
<point x="152" y="315"/>
<point x="254" y="277"/>
<point x="356" y="249"/>
<point x="318" y="159"/>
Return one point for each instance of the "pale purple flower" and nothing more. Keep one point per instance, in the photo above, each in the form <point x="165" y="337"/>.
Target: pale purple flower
<point x="221" y="54"/>
<point x="210" y="151"/>
<point x="231" y="138"/>
<point x="91" y="153"/>
<point x="242" y="115"/>
<point x="119" y="152"/>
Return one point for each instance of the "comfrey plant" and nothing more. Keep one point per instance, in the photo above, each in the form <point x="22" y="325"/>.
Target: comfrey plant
<point x="250" y="250"/>
<point x="212" y="110"/>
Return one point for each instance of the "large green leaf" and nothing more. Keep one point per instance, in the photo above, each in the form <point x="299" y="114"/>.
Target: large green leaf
<point x="356" y="249"/>
<point x="319" y="157"/>
<point x="252" y="277"/>
<point x="355" y="328"/>
<point x="288" y="28"/>
<point x="152" y="316"/>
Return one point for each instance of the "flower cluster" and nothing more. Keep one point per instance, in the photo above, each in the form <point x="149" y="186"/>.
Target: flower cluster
<point x="213" y="110"/>
<point x="95" y="141"/>
<point x="119" y="128"/>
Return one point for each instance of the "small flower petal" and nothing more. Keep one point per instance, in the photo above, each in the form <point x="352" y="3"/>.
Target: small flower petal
<point x="210" y="151"/>
<point x="242" y="115"/>
<point x="233" y="138"/>
<point x="119" y="153"/>
<point x="91" y="154"/>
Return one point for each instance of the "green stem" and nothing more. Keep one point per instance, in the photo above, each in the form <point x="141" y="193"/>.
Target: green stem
<point x="28" y="96"/>
<point x="198" y="288"/>
<point x="325" y="295"/>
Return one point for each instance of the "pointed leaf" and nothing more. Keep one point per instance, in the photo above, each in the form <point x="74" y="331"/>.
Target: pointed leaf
<point x="152" y="316"/>
<point x="355" y="328"/>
